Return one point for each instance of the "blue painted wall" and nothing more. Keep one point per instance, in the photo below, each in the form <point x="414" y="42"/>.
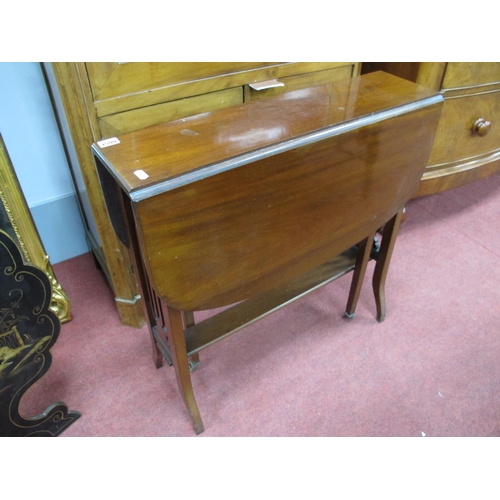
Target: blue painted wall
<point x="29" y="129"/>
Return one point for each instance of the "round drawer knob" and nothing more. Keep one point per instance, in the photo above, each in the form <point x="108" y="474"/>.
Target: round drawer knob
<point x="481" y="127"/>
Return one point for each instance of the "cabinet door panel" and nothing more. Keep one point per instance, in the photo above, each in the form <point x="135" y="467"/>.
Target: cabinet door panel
<point x="461" y="74"/>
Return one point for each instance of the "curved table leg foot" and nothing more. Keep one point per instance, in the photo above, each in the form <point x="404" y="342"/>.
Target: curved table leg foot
<point x="364" y="251"/>
<point x="180" y="360"/>
<point x="391" y="229"/>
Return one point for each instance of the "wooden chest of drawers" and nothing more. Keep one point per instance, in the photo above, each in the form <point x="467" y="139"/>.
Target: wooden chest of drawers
<point x="467" y="143"/>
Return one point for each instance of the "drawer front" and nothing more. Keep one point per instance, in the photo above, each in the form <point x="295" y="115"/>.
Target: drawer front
<point x="110" y="80"/>
<point x="119" y="87"/>
<point x="298" y="82"/>
<point x="457" y="139"/>
<point x="128" y="121"/>
<point x="460" y="74"/>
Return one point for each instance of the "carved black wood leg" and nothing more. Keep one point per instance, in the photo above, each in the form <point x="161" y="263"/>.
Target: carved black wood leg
<point x="177" y="344"/>
<point x="390" y="232"/>
<point x="362" y="259"/>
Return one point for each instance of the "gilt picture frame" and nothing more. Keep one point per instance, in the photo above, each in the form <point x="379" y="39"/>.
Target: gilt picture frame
<point x="16" y="220"/>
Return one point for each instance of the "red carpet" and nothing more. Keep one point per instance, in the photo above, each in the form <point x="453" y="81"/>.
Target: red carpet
<point x="432" y="368"/>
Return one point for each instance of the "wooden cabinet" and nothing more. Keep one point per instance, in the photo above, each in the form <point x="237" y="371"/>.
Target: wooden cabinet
<point x="467" y="143"/>
<point x="102" y="100"/>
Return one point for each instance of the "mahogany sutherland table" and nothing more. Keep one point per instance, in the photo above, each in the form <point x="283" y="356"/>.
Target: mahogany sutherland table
<point x="255" y="205"/>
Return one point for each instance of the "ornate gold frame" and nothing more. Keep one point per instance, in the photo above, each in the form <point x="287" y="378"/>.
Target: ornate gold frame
<point x="26" y="233"/>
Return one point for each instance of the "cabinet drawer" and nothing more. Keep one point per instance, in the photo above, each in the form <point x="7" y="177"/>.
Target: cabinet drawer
<point x="119" y="87"/>
<point x="298" y="82"/>
<point x="109" y="81"/>
<point x="456" y="138"/>
<point x="129" y="121"/>
<point x="459" y="74"/>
